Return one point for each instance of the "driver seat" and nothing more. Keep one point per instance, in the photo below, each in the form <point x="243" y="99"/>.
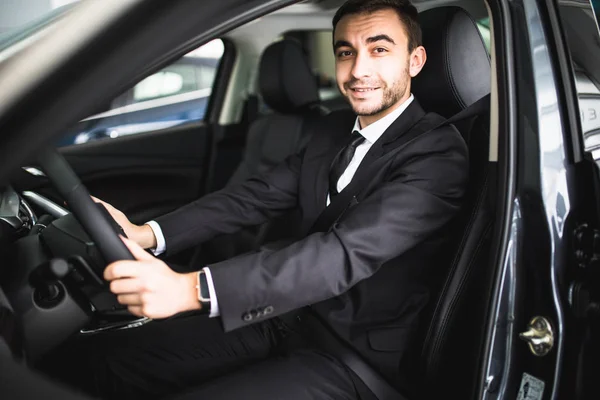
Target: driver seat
<point x="456" y="75"/>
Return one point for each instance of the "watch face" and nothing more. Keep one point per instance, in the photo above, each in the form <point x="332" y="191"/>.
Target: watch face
<point x="203" y="292"/>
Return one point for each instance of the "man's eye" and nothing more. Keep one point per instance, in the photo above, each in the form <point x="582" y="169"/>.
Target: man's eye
<point x="345" y="53"/>
<point x="380" y="50"/>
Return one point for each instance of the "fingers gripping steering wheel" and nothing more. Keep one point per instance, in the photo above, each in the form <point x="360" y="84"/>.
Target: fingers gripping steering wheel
<point x="92" y="219"/>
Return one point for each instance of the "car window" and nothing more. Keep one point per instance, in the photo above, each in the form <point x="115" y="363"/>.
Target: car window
<point x="484" y="28"/>
<point x="583" y="41"/>
<point x="177" y="94"/>
<point x="187" y="75"/>
<point x="165" y="83"/>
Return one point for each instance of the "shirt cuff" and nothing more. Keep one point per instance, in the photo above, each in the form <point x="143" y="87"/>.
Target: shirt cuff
<point x="214" y="304"/>
<point x="161" y="246"/>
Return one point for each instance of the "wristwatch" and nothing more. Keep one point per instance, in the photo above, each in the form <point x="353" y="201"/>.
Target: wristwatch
<point x="203" y="292"/>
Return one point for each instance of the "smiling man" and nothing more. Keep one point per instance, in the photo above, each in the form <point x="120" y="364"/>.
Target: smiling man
<point x="373" y="68"/>
<point x="376" y="192"/>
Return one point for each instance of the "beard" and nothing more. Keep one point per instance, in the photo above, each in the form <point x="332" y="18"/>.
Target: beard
<point x="391" y="95"/>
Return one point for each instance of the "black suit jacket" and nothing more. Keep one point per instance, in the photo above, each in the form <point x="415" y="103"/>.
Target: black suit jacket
<point x="365" y="264"/>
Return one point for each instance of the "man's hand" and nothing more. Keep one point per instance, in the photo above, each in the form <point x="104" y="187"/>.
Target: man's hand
<point x="142" y="235"/>
<point x="149" y="288"/>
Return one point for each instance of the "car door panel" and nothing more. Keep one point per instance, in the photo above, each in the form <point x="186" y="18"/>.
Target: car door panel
<point x="144" y="175"/>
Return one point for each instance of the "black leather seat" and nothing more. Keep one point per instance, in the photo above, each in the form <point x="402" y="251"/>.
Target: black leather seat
<point x="289" y="88"/>
<point x="456" y="75"/>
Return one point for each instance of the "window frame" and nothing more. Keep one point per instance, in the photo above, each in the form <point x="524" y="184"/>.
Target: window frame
<point x="120" y="104"/>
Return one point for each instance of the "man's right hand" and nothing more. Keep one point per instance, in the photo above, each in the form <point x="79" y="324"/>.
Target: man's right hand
<point x="142" y="235"/>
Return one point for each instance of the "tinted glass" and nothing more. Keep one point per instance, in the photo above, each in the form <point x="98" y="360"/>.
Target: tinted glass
<point x="175" y="95"/>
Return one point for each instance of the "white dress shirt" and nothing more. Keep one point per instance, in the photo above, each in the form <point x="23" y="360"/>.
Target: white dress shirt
<point x="371" y="133"/>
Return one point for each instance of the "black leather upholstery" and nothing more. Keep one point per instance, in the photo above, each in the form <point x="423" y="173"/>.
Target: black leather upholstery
<point x="457" y="71"/>
<point x="286" y="81"/>
<point x="457" y="74"/>
<point x="288" y="87"/>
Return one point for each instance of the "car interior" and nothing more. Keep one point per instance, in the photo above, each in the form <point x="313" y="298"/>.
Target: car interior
<point x="272" y="84"/>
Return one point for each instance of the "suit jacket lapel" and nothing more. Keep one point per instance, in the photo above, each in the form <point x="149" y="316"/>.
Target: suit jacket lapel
<point x="391" y="139"/>
<point x="395" y="131"/>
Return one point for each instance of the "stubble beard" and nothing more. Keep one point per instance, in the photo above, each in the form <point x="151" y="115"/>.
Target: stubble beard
<point x="391" y="96"/>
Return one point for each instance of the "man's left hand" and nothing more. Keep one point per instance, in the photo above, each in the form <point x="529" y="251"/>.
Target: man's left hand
<point x="149" y="288"/>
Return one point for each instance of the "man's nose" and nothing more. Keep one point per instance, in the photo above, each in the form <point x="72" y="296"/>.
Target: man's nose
<point x="362" y="66"/>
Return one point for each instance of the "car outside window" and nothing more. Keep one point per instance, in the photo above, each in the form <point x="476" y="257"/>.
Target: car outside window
<point x="163" y="84"/>
<point x="175" y="95"/>
<point x="484" y="28"/>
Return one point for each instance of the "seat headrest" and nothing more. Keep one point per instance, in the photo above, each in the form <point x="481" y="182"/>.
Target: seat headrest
<point x="457" y="72"/>
<point x="286" y="81"/>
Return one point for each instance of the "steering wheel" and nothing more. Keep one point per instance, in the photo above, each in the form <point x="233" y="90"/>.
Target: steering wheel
<point x="92" y="219"/>
<point x="94" y="222"/>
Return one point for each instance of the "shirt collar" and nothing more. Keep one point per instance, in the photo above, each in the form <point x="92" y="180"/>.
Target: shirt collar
<point x="374" y="131"/>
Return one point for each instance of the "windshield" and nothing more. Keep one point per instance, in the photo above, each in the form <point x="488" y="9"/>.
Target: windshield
<point x="21" y="20"/>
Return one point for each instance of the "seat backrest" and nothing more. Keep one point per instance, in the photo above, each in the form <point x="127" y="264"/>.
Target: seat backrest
<point x="289" y="88"/>
<point x="457" y="74"/>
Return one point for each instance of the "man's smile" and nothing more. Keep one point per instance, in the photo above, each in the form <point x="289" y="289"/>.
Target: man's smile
<point x="360" y="92"/>
<point x="364" y="89"/>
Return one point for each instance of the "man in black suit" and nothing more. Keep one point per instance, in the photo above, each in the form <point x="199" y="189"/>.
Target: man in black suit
<point x="376" y="193"/>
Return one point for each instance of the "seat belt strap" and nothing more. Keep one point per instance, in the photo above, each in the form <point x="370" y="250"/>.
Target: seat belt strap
<point x="367" y="374"/>
<point x="479" y="107"/>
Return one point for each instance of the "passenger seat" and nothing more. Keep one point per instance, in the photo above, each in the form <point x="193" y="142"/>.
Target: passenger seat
<point x="289" y="88"/>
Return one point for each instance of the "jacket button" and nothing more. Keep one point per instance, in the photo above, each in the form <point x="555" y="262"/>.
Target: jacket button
<point x="247" y="317"/>
<point x="268" y="310"/>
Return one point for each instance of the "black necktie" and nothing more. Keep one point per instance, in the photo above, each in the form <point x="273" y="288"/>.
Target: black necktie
<point x="340" y="163"/>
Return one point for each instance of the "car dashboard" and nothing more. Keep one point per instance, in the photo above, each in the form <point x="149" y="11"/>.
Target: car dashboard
<point x="16" y="220"/>
<point x="48" y="262"/>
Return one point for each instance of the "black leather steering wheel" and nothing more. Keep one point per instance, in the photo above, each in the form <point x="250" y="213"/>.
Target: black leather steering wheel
<point x="93" y="220"/>
<point x="96" y="223"/>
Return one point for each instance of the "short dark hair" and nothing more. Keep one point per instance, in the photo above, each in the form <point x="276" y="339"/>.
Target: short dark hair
<point x="408" y="14"/>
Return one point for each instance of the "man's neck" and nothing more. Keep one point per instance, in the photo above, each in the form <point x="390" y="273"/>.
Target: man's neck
<point x="374" y="131"/>
<point x="366" y="120"/>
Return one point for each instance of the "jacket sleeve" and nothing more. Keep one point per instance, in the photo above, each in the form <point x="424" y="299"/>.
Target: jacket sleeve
<point x="422" y="193"/>
<point x="252" y="202"/>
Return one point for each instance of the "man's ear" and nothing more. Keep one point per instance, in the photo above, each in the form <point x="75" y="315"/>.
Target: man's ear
<point x="417" y="61"/>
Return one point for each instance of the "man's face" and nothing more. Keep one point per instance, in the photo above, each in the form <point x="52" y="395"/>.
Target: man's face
<point x="373" y="65"/>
